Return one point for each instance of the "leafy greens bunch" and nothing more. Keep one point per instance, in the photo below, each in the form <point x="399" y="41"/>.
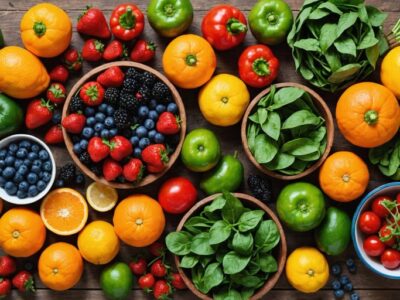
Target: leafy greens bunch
<point x="336" y="43"/>
<point x="227" y="247"/>
<point x="387" y="157"/>
<point x="286" y="133"/>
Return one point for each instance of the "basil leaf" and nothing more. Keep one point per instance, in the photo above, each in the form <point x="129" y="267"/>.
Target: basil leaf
<point x="267" y="236"/>
<point x="328" y="36"/>
<point x="217" y="204"/>
<point x="219" y="232"/>
<point x="189" y="261"/>
<point x="200" y="244"/>
<point x="300" y="146"/>
<point x="310" y="157"/>
<point x="233" y="209"/>
<point x="213" y="277"/>
<point x="196" y="224"/>
<point x="234" y="263"/>
<point x="179" y="242"/>
<point x="262" y="115"/>
<point x="318" y="135"/>
<point x="375" y="16"/>
<point x="268" y="264"/>
<point x="286" y="96"/>
<point x="280" y="161"/>
<point x="308" y="45"/>
<point x="300" y="118"/>
<point x="344" y="73"/>
<point x="242" y="243"/>
<point x="249" y="281"/>
<point x="253" y="267"/>
<point x="272" y="126"/>
<point x="246" y="293"/>
<point x="252" y="131"/>
<point x="227" y="294"/>
<point x="250" y="220"/>
<point x="346" y="46"/>
<point x="265" y="149"/>
<point x="254" y="118"/>
<point x="346" y="20"/>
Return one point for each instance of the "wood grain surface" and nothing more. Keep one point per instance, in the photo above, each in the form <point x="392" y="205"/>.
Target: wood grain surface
<point x="368" y="285"/>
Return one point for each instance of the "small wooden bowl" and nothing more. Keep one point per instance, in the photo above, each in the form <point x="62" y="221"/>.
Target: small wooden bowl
<point x="182" y="115"/>
<point x="251" y="202"/>
<point x="325" y="113"/>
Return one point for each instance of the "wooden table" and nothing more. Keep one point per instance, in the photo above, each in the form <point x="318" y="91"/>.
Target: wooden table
<point x="368" y="285"/>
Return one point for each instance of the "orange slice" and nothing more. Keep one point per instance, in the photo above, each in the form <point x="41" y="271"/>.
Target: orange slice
<point x="64" y="211"/>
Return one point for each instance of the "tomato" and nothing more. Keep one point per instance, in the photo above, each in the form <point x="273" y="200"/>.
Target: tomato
<point x="390" y="259"/>
<point x="161" y="289"/>
<point x="369" y="222"/>
<point x="378" y="208"/>
<point x="386" y="236"/>
<point x="138" y="266"/>
<point x="146" y="281"/>
<point x="158" y="269"/>
<point x="177" y="281"/>
<point x="373" y="246"/>
<point x="177" y="195"/>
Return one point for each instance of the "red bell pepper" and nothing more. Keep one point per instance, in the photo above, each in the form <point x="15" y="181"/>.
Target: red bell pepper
<point x="258" y="66"/>
<point x="224" y="27"/>
<point x="126" y="22"/>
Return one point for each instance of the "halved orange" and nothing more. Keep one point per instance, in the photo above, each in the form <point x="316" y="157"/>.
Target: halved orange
<point x="64" y="211"/>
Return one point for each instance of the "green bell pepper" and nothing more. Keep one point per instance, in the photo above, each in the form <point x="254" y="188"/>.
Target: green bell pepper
<point x="170" y="17"/>
<point x="226" y="177"/>
<point x="11" y="116"/>
<point x="270" y="21"/>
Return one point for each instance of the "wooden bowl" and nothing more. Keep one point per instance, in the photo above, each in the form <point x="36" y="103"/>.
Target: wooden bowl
<point x="248" y="201"/>
<point x="177" y="98"/>
<point x="325" y="113"/>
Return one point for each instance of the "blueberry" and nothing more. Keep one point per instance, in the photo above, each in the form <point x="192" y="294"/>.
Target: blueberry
<point x="2" y="181"/>
<point x="113" y="132"/>
<point x="349" y="262"/>
<point x="10" y="188"/>
<point x="46" y="176"/>
<point x="56" y="119"/>
<point x="89" y="111"/>
<point x="90" y="121"/>
<point x="336" y="270"/>
<point x="87" y="132"/>
<point x="153" y="103"/>
<point x="110" y="110"/>
<point x="9" y="161"/>
<point x="77" y="148"/>
<point x="2" y="163"/>
<point x="36" y="169"/>
<point x="160" y="108"/>
<point x="37" y="163"/>
<point x="348" y="287"/>
<point x="149" y="124"/>
<point x="344" y="279"/>
<point x="23" y="170"/>
<point x="172" y="107"/>
<point x="18" y="177"/>
<point x="144" y="142"/>
<point x="27" y="162"/>
<point x="35" y="148"/>
<point x="21" y="194"/>
<point x="98" y="127"/>
<point x="338" y="294"/>
<point x="152" y="134"/>
<point x="33" y="191"/>
<point x="18" y="163"/>
<point x="41" y="185"/>
<point x="354" y="296"/>
<point x="8" y="172"/>
<point x="32" y="178"/>
<point x="79" y="179"/>
<point x="153" y="115"/>
<point x="32" y="156"/>
<point x="25" y="144"/>
<point x="59" y="183"/>
<point x="353" y="269"/>
<point x="13" y="148"/>
<point x="336" y="284"/>
<point x="134" y="140"/>
<point x="159" y="138"/>
<point x="137" y="152"/>
<point x="105" y="134"/>
<point x="23" y="186"/>
<point x="109" y="122"/>
<point x="143" y="111"/>
<point x="100" y="117"/>
<point x="83" y="144"/>
<point x="44" y="155"/>
<point x="103" y="107"/>
<point x="47" y="166"/>
<point x="141" y="131"/>
<point x="3" y="153"/>
<point x="21" y="153"/>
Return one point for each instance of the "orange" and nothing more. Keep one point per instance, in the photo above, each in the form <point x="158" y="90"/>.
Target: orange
<point x="139" y="220"/>
<point x="64" y="211"/>
<point x="98" y="243"/>
<point x="22" y="232"/>
<point x="60" y="266"/>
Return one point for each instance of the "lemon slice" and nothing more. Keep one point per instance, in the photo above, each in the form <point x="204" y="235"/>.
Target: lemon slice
<point x="101" y="197"/>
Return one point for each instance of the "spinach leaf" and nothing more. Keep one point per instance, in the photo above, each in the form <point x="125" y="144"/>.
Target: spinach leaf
<point x="242" y="243"/>
<point x="179" y="242"/>
<point x="280" y="161"/>
<point x="286" y="96"/>
<point x="189" y="261"/>
<point x="267" y="236"/>
<point x="253" y="267"/>
<point x="213" y="277"/>
<point x="308" y="45"/>
<point x="330" y="7"/>
<point x="272" y="125"/>
<point x="232" y="210"/>
<point x="268" y="264"/>
<point x="344" y="73"/>
<point x="346" y="20"/>
<point x="197" y="224"/>
<point x="318" y="135"/>
<point x="252" y="131"/>
<point x="310" y="157"/>
<point x="300" y="146"/>
<point x="300" y="118"/>
<point x="369" y="40"/>
<point x="328" y="36"/>
<point x="246" y="293"/>
<point x="262" y="115"/>
<point x="217" y="204"/>
<point x="227" y="294"/>
<point x="249" y="281"/>
<point x="372" y="55"/>
<point x="254" y="118"/>
<point x="346" y="46"/>
<point x="375" y="16"/>
<point x="234" y="263"/>
<point x="250" y="220"/>
<point x="219" y="232"/>
<point x="200" y="244"/>
<point x="265" y="149"/>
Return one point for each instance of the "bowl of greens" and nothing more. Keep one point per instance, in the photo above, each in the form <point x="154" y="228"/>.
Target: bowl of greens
<point x="229" y="245"/>
<point x="287" y="131"/>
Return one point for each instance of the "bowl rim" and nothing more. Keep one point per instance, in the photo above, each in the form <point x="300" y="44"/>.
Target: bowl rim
<point x="42" y="194"/>
<point x="272" y="280"/>
<point x="325" y="112"/>
<point x="150" y="178"/>
<point x="354" y="228"/>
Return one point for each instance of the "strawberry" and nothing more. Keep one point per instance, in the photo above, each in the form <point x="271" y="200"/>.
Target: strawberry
<point x="157" y="249"/>
<point x="114" y="50"/>
<point x="38" y="113"/>
<point x="138" y="266"/>
<point x="161" y="290"/>
<point x="133" y="170"/>
<point x="73" y="59"/>
<point x="93" y="22"/>
<point x="155" y="156"/>
<point x="56" y="93"/>
<point x="98" y="149"/>
<point x="112" y="77"/>
<point x="59" y="74"/>
<point x="7" y="265"/>
<point x="143" y="51"/>
<point x="111" y="169"/>
<point x="158" y="269"/>
<point x="74" y="123"/>
<point x="177" y="281"/>
<point x="168" y="123"/>
<point x="146" y="282"/>
<point x="121" y="147"/>
<point x="54" y="135"/>
<point x="24" y="282"/>
<point x="92" y="93"/>
<point x="5" y="287"/>
<point x="92" y="50"/>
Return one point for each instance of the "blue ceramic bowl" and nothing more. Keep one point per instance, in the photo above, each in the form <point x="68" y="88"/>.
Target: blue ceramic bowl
<point x="373" y="263"/>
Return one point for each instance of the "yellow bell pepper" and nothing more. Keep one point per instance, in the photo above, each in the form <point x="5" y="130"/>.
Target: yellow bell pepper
<point x="223" y="100"/>
<point x="307" y="270"/>
<point x="390" y="71"/>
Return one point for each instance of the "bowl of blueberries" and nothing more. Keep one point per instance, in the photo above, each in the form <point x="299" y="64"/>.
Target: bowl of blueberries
<point x="27" y="169"/>
<point x="124" y="124"/>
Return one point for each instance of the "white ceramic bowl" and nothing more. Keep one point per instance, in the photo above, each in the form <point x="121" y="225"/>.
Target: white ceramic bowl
<point x="373" y="263"/>
<point x="14" y="199"/>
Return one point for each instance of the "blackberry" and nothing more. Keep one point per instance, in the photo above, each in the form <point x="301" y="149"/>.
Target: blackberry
<point x="143" y="95"/>
<point x="160" y="92"/>
<point x="135" y="74"/>
<point x="96" y="169"/>
<point x="121" y="118"/>
<point x="128" y="101"/>
<point x="148" y="79"/>
<point x="67" y="173"/>
<point x="84" y="157"/>
<point x="76" y="104"/>
<point x="260" y="188"/>
<point x="111" y="96"/>
<point x="131" y="85"/>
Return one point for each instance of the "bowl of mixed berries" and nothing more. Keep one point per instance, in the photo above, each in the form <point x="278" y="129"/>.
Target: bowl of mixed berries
<point x="124" y="124"/>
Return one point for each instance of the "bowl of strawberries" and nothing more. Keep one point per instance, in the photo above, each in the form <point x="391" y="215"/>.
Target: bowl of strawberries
<point x="124" y="124"/>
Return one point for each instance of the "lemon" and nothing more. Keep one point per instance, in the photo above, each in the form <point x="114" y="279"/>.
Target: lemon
<point x="101" y="197"/>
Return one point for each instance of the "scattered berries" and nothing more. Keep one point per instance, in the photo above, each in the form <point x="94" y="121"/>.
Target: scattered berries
<point x="54" y="135"/>
<point x="56" y="93"/>
<point x="114" y="50"/>
<point x="92" y="93"/>
<point x="138" y="267"/>
<point x="38" y="113"/>
<point x="59" y="74"/>
<point x="260" y="187"/>
<point x="74" y="123"/>
<point x="92" y="50"/>
<point x="24" y="282"/>
<point x="73" y="60"/>
<point x="112" y="77"/>
<point x="7" y="266"/>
